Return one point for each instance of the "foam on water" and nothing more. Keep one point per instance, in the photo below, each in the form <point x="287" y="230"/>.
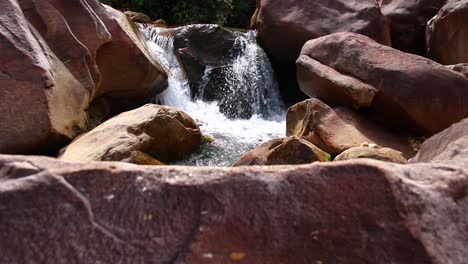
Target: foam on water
<point x="233" y="137"/>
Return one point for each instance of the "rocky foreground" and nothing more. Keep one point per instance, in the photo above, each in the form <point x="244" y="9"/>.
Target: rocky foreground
<point x="346" y="212"/>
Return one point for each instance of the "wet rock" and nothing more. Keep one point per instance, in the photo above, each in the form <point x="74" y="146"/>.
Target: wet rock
<point x="372" y="152"/>
<point x="408" y="20"/>
<point x="289" y="150"/>
<point x="405" y="82"/>
<point x="364" y="211"/>
<point x="447" y="33"/>
<point x="58" y="56"/>
<point x="142" y="136"/>
<point x="448" y="146"/>
<point x="137" y="17"/>
<point x="285" y="25"/>
<point x="337" y="129"/>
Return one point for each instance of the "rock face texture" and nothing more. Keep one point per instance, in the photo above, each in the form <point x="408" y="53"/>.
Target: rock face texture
<point x="413" y="93"/>
<point x="337" y="129"/>
<point x="360" y="211"/>
<point x="447" y="33"/>
<point x="461" y="68"/>
<point x="366" y="152"/>
<point x="162" y="132"/>
<point x="285" y="25"/>
<point x="408" y="19"/>
<point x="448" y="146"/>
<point x="57" y="56"/>
<point x="283" y="151"/>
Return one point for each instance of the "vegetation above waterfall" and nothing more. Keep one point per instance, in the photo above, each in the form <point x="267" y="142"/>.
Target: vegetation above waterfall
<point x="233" y="13"/>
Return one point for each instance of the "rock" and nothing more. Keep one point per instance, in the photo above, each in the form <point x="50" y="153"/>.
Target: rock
<point x="58" y="57"/>
<point x="126" y="66"/>
<point x="447" y="33"/>
<point x="405" y="82"/>
<point x="461" y="68"/>
<point x="356" y="211"/>
<point x="365" y="152"/>
<point x="448" y="146"/>
<point x="408" y="21"/>
<point x="161" y="132"/>
<point x="43" y="102"/>
<point x="337" y="129"/>
<point x="285" y="25"/>
<point x="290" y="150"/>
<point x="137" y="17"/>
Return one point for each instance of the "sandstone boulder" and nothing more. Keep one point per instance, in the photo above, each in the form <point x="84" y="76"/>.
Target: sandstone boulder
<point x="347" y="212"/>
<point x="371" y="152"/>
<point x="137" y="17"/>
<point x="413" y="93"/>
<point x="448" y="146"/>
<point x="337" y="129"/>
<point x="42" y="100"/>
<point x="447" y="33"/>
<point x="285" y="25"/>
<point x="161" y="132"/>
<point x="57" y="57"/>
<point x="408" y="19"/>
<point x="283" y="151"/>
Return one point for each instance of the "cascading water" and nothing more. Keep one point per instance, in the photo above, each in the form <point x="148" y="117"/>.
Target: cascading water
<point x="249" y="78"/>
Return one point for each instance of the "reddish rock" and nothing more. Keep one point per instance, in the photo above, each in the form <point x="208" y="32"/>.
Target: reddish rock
<point x="57" y="57"/>
<point x="42" y="101"/>
<point x="283" y="151"/>
<point x="461" y="68"/>
<point x="338" y="129"/>
<point x="447" y="33"/>
<point x="414" y="93"/>
<point x="285" y="25"/>
<point x="138" y="17"/>
<point x="161" y="132"/>
<point x="408" y="20"/>
<point x="448" y="146"/>
<point x="361" y="211"/>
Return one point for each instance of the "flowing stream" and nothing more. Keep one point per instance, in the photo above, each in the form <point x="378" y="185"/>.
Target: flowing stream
<point x="250" y="75"/>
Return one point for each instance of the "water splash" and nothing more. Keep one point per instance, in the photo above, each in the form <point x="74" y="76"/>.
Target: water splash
<point x="249" y="77"/>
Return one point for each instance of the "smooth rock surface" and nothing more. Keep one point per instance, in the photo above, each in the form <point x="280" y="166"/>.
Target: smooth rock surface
<point x="408" y="20"/>
<point x="448" y="146"/>
<point x="57" y="57"/>
<point x="283" y="151"/>
<point x="414" y="93"/>
<point x="360" y="211"/>
<point x="367" y="152"/>
<point x="161" y="132"/>
<point x="447" y="33"/>
<point x="337" y="129"/>
<point x="285" y="25"/>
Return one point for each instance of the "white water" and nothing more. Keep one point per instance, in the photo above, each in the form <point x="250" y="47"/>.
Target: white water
<point x="233" y="138"/>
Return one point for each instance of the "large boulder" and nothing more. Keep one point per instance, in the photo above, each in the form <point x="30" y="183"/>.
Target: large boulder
<point x="42" y="98"/>
<point x="285" y="25"/>
<point x="411" y="92"/>
<point x="57" y="57"/>
<point x="161" y="132"/>
<point x="448" y="146"/>
<point x="447" y="33"/>
<point x="283" y="151"/>
<point x="337" y="129"/>
<point x="360" y="211"/>
<point x="408" y="20"/>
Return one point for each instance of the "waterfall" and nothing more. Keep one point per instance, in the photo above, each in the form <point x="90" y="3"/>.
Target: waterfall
<point x="248" y="78"/>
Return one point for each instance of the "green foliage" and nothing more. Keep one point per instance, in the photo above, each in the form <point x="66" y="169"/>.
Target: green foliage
<point x="177" y="11"/>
